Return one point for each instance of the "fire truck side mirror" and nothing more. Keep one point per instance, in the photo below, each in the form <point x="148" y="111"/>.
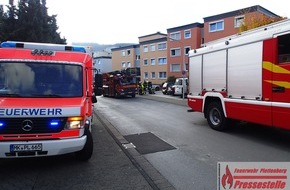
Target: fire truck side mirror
<point x="98" y="85"/>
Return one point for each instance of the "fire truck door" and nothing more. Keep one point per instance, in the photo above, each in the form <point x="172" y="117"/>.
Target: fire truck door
<point x="281" y="83"/>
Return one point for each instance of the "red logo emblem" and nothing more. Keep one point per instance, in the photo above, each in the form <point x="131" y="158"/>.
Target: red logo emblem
<point x="227" y="178"/>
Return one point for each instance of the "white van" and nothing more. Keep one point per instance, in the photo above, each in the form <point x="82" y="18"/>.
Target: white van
<point x="179" y="85"/>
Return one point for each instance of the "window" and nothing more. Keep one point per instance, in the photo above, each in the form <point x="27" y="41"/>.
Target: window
<point x="123" y="53"/>
<point x="152" y="47"/>
<point x="216" y="26"/>
<point x="153" y="75"/>
<point x="175" y="36"/>
<point x="152" y="61"/>
<point x="162" y="61"/>
<point x="162" y="46"/>
<point x="239" y="21"/>
<point x="187" y="34"/>
<point x="186" y="66"/>
<point x="145" y="62"/>
<point x="45" y="79"/>
<point x="175" y="68"/>
<point x="175" y="52"/>
<point x="284" y="49"/>
<point x="123" y="64"/>
<point x="162" y="75"/>
<point x="145" y="48"/>
<point x="137" y="57"/>
<point x="186" y="50"/>
<point x="128" y="52"/>
<point x="128" y="64"/>
<point x="145" y="75"/>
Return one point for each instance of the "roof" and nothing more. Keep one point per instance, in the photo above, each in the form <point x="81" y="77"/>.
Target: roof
<point x="164" y="39"/>
<point x="184" y="27"/>
<point x="125" y="47"/>
<point x="256" y="8"/>
<point x="157" y="33"/>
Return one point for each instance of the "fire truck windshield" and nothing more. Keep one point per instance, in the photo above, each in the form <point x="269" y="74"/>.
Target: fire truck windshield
<point x="34" y="79"/>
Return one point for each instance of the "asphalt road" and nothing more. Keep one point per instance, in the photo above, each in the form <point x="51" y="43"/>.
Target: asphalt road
<point x="193" y="164"/>
<point x="108" y="169"/>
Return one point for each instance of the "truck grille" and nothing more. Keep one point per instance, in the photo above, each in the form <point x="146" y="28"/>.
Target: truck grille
<point x="130" y="90"/>
<point x="31" y="125"/>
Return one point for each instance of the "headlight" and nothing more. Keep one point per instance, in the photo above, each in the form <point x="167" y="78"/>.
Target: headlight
<point x="75" y="123"/>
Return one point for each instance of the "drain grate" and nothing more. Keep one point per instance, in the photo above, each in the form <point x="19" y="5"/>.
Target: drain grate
<point x="148" y="143"/>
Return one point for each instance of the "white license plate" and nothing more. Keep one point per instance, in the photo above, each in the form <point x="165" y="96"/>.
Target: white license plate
<point x="25" y="147"/>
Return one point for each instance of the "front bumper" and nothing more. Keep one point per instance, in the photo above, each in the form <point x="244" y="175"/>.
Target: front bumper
<point x="49" y="147"/>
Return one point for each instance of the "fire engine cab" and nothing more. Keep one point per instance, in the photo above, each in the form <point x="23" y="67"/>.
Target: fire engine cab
<point x="119" y="84"/>
<point x="46" y="100"/>
<point x="243" y="77"/>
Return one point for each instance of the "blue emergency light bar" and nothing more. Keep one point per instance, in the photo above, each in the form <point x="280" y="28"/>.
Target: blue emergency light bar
<point x="42" y="46"/>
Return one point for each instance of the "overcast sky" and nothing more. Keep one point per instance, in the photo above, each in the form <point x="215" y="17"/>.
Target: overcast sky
<point x="123" y="21"/>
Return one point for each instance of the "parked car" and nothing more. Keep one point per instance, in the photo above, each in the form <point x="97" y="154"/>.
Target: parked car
<point x="166" y="86"/>
<point x="156" y="87"/>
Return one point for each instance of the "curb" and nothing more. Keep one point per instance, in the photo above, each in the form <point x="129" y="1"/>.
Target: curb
<point x="151" y="175"/>
<point x="166" y="99"/>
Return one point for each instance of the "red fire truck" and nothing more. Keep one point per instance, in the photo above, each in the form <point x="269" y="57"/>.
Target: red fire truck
<point x="243" y="77"/>
<point x="46" y="100"/>
<point x="119" y="84"/>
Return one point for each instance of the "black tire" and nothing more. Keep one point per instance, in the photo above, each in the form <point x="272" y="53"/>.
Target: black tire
<point x="215" y="116"/>
<point x="87" y="152"/>
<point x="133" y="95"/>
<point x="116" y="95"/>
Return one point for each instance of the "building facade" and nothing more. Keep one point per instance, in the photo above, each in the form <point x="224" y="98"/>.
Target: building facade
<point x="226" y="24"/>
<point x="125" y="57"/>
<point x="153" y="54"/>
<point x="102" y="62"/>
<point x="180" y="40"/>
<point x="160" y="56"/>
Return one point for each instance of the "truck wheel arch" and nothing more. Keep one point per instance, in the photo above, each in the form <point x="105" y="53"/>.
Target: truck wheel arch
<point x="213" y="97"/>
<point x="86" y="153"/>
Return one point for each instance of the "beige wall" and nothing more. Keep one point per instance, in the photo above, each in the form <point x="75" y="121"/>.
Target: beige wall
<point x="151" y="37"/>
<point x="149" y="41"/>
<point x="118" y="58"/>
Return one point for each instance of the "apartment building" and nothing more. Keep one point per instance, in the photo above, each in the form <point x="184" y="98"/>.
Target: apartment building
<point x="126" y="57"/>
<point x="153" y="54"/>
<point x="160" y="56"/>
<point x="226" y="24"/>
<point x="102" y="62"/>
<point x="180" y="40"/>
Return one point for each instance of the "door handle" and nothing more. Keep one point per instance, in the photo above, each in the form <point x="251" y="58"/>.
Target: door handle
<point x="278" y="89"/>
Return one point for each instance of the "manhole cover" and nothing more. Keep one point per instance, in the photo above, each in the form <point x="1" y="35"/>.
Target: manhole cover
<point x="148" y="143"/>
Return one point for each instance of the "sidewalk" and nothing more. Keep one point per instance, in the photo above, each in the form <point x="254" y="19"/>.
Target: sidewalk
<point x="159" y="96"/>
<point x="127" y="167"/>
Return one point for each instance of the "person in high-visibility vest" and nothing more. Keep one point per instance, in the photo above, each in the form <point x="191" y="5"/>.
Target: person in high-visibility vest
<point x="141" y="88"/>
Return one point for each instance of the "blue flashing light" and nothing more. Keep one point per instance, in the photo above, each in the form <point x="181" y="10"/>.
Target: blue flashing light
<point x="80" y="49"/>
<point x="8" y="45"/>
<point x="54" y="123"/>
<point x="2" y="125"/>
<point x="39" y="48"/>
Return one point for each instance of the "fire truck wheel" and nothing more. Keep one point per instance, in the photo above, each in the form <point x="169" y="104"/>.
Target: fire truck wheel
<point x="87" y="152"/>
<point x="216" y="117"/>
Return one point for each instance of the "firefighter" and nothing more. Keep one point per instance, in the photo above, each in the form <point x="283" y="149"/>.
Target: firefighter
<point x="150" y="88"/>
<point x="141" y="88"/>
